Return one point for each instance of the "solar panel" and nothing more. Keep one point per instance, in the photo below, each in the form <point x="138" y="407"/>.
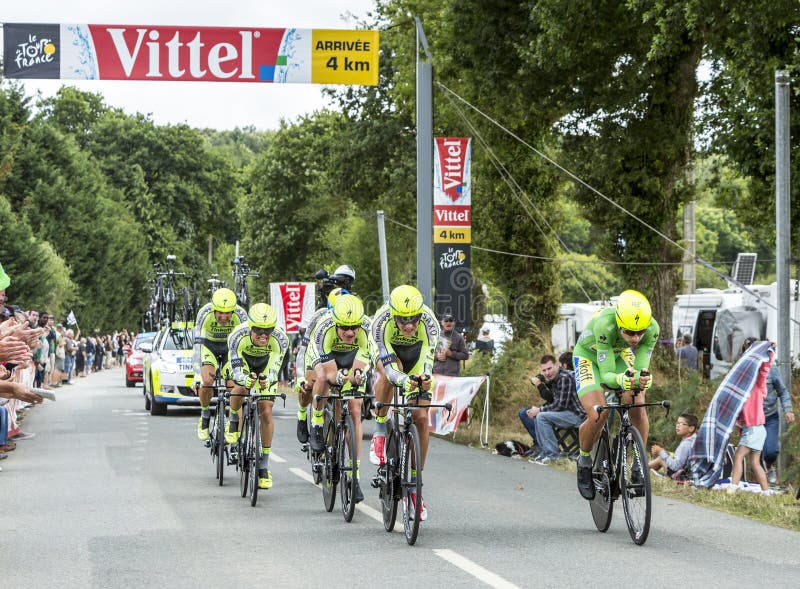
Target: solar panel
<point x="744" y="268"/>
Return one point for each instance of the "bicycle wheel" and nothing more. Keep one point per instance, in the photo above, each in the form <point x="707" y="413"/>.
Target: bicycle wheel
<point x="243" y="463"/>
<point x="602" y="505"/>
<point x="330" y="475"/>
<point x="636" y="498"/>
<point x="220" y="426"/>
<point x="411" y="485"/>
<point x="389" y="482"/>
<point x="254" y="455"/>
<point x="348" y="469"/>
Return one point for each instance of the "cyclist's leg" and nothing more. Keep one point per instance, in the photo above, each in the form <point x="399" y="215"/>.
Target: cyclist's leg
<point x="234" y="425"/>
<point x="267" y="427"/>
<point x="317" y="417"/>
<point x="207" y="370"/>
<point x="384" y="393"/>
<point x="638" y="415"/>
<point x="590" y="393"/>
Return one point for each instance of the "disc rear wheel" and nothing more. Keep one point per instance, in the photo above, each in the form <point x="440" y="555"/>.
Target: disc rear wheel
<point x="602" y="505"/>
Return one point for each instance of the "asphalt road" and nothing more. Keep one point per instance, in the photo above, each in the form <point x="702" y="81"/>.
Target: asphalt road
<point x="108" y="496"/>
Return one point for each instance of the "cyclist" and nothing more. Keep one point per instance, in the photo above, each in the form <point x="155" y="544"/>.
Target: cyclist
<point x="214" y="323"/>
<point x="617" y="340"/>
<point x="256" y="350"/>
<point x="404" y="335"/>
<point x="340" y="342"/>
<point x="305" y="385"/>
<point x="344" y="277"/>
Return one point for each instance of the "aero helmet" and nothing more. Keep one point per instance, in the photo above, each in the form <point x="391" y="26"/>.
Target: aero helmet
<point x="334" y="294"/>
<point x="633" y="311"/>
<point x="348" y="310"/>
<point x="405" y="301"/>
<point x="262" y="315"/>
<point x="223" y="300"/>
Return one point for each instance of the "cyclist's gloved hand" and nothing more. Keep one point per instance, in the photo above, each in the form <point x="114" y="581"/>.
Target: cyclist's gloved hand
<point x="263" y="383"/>
<point x="645" y="380"/>
<point x="358" y="375"/>
<point x="625" y="381"/>
<point x="408" y="384"/>
<point x="341" y="377"/>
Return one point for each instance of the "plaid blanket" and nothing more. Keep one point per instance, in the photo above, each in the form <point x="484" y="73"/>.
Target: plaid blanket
<point x="715" y="431"/>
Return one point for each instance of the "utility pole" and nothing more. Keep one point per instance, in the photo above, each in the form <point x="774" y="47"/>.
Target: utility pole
<point x="689" y="234"/>
<point x="424" y="167"/>
<point x="384" y="258"/>
<point x="210" y="249"/>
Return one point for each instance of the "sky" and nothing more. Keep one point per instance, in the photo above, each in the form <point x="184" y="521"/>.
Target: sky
<point x="199" y="104"/>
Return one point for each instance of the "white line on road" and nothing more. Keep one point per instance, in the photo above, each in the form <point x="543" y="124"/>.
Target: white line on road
<point x="363" y="508"/>
<point x="276" y="458"/>
<point x="475" y="570"/>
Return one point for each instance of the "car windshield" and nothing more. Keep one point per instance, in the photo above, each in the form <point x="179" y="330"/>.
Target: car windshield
<point x="178" y="339"/>
<point x="141" y="340"/>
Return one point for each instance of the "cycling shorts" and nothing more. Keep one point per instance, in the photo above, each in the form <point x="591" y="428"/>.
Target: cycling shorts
<point x="213" y="353"/>
<point x="587" y="372"/>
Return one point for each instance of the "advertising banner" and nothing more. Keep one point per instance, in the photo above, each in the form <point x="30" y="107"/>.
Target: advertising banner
<point x="459" y="392"/>
<point x="190" y="54"/>
<point x="293" y="303"/>
<point x="452" y="228"/>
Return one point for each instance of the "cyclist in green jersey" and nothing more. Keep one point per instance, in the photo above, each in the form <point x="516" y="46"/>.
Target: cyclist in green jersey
<point x="214" y="323"/>
<point x="340" y="343"/>
<point x="305" y="384"/>
<point x="404" y="335"/>
<point x="613" y="350"/>
<point x="256" y="349"/>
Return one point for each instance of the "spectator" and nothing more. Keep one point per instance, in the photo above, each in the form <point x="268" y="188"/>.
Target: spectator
<point x="99" y="353"/>
<point x="61" y="354"/>
<point x="451" y="349"/>
<point x="51" y="378"/>
<point x="754" y="434"/>
<point x="565" y="361"/>
<point x="80" y="358"/>
<point x="89" y="354"/>
<point x="561" y="409"/>
<point x="69" y="355"/>
<point x="687" y="353"/>
<point x="686" y="428"/>
<point x="485" y="343"/>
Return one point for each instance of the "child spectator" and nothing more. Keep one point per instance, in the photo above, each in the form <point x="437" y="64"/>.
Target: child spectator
<point x="686" y="428"/>
<point x="754" y="434"/>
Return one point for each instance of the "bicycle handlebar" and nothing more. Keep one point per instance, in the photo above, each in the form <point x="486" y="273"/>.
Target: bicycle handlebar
<point x="623" y="406"/>
<point x="380" y="405"/>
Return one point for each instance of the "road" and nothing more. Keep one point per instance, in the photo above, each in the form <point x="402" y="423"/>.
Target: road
<point x="107" y="495"/>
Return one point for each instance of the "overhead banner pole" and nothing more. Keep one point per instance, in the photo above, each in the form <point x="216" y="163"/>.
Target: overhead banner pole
<point x="424" y="166"/>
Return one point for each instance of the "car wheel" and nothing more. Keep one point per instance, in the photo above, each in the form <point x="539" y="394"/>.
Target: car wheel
<point x="129" y="383"/>
<point x="157" y="408"/>
<point x="146" y="402"/>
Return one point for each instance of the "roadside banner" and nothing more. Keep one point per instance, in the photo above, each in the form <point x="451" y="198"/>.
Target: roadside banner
<point x="452" y="228"/>
<point x="190" y="54"/>
<point x="459" y="392"/>
<point x="293" y="303"/>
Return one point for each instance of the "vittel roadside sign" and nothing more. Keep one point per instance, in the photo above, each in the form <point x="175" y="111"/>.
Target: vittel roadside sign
<point x="199" y="54"/>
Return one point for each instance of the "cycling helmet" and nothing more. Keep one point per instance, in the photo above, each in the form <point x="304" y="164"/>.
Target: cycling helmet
<point x="262" y="315"/>
<point x="348" y="310"/>
<point x="633" y="311"/>
<point x="223" y="300"/>
<point x="345" y="271"/>
<point x="405" y="301"/>
<point x="334" y="294"/>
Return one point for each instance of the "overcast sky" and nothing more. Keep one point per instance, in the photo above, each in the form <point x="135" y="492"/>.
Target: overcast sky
<point x="200" y="104"/>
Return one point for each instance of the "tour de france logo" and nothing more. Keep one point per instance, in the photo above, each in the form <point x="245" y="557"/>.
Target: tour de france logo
<point x="34" y="52"/>
<point x="452" y="258"/>
<point x="31" y="51"/>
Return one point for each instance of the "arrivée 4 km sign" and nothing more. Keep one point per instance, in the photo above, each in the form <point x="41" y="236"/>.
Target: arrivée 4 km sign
<point x="202" y="54"/>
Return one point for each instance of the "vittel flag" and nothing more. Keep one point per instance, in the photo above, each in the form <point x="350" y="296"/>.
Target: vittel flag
<point x="452" y="227"/>
<point x="190" y="54"/>
<point x="293" y="303"/>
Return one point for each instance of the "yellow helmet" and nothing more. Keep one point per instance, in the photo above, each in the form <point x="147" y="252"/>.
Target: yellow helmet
<point x="333" y="295"/>
<point x="405" y="301"/>
<point x="223" y="300"/>
<point x="348" y="310"/>
<point x="262" y="315"/>
<point x="633" y="311"/>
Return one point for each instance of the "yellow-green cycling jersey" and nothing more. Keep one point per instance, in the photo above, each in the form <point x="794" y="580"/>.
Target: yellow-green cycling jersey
<point x="416" y="353"/>
<point x="326" y="345"/>
<point x="245" y="357"/>
<point x="300" y="361"/>
<point x="211" y="337"/>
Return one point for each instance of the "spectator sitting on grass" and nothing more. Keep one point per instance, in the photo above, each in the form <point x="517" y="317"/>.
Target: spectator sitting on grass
<point x="686" y="428"/>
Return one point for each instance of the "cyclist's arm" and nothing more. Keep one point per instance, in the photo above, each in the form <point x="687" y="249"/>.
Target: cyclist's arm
<point x="386" y="355"/>
<point x="645" y="348"/>
<point x="199" y="333"/>
<point x="241" y="372"/>
<point x="429" y="328"/>
<point x="241" y="314"/>
<point x="278" y="345"/>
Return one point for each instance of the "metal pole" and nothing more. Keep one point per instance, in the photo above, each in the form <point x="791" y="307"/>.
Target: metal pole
<point x="424" y="168"/>
<point x="783" y="233"/>
<point x="384" y="260"/>
<point x="689" y="276"/>
<point x="210" y="249"/>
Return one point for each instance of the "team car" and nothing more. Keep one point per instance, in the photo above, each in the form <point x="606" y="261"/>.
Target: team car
<point x="134" y="361"/>
<point x="168" y="371"/>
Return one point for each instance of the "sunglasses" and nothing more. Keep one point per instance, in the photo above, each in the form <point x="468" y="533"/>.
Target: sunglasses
<point x="409" y="320"/>
<point x="346" y="328"/>
<point x="263" y="330"/>
<point x="631" y="332"/>
<point x="448" y="320"/>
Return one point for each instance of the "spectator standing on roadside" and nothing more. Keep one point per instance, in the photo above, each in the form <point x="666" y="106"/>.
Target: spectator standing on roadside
<point x="484" y="343"/>
<point x="451" y="350"/>
<point x="89" y="355"/>
<point x="51" y="378"/>
<point x="687" y="353"/>
<point x="80" y="358"/>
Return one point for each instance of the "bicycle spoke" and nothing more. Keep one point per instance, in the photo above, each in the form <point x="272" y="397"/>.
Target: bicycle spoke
<point x="636" y="492"/>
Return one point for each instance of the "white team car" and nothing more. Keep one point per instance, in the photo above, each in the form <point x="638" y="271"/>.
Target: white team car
<point x="168" y="371"/>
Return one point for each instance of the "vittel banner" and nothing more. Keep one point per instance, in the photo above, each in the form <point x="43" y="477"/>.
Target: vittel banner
<point x="293" y="303"/>
<point x="190" y="54"/>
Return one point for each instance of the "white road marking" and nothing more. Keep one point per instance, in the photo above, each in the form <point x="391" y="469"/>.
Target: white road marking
<point x="276" y="458"/>
<point x="474" y="569"/>
<point x="303" y="475"/>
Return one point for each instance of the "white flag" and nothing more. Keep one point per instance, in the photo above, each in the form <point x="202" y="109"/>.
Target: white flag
<point x="71" y="319"/>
